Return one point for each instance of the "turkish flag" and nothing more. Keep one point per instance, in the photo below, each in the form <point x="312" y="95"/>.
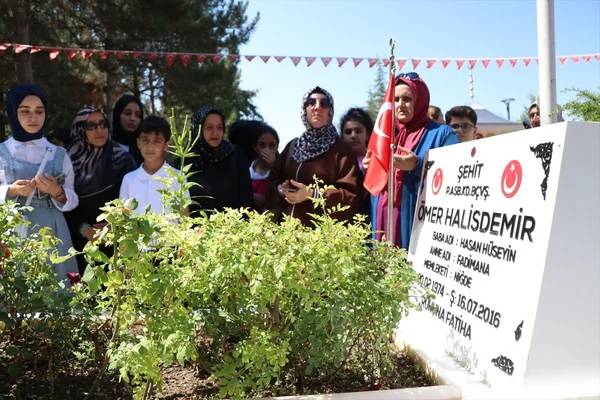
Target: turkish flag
<point x="379" y="144"/>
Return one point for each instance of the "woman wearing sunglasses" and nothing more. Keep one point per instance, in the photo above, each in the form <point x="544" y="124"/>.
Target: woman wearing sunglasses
<point x="99" y="164"/>
<point x="319" y="152"/>
<point x="414" y="135"/>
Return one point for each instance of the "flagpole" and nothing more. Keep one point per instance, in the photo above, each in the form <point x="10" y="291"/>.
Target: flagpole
<point x="389" y="229"/>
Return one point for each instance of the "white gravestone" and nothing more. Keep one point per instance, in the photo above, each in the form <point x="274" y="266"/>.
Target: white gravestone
<point x="507" y="235"/>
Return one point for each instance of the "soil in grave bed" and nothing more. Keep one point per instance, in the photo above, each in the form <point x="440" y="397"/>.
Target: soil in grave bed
<point x="188" y="383"/>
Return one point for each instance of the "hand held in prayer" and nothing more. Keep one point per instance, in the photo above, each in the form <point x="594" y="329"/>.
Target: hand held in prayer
<point x="405" y="160"/>
<point x="21" y="187"/>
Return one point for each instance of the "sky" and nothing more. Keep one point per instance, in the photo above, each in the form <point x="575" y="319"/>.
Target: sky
<point x="421" y="29"/>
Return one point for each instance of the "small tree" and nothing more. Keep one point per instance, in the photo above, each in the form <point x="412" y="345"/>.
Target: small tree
<point x="376" y="92"/>
<point x="586" y="105"/>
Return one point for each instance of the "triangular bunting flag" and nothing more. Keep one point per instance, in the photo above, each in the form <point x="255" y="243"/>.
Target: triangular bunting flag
<point x="310" y="60"/>
<point x="37" y="50"/>
<point x="472" y="64"/>
<point x="265" y="58"/>
<point x="170" y="59"/>
<point x="373" y="61"/>
<point x="563" y="60"/>
<point x="386" y="62"/>
<point x="356" y="61"/>
<point x="149" y="56"/>
<point x="295" y="60"/>
<point x="53" y="54"/>
<point x="216" y="58"/>
<point x="575" y="59"/>
<point x="200" y="58"/>
<point x="500" y="62"/>
<point x="249" y="58"/>
<point x="103" y="55"/>
<point x="21" y="48"/>
<point x="430" y="63"/>
<point x="485" y="63"/>
<point x="71" y="54"/>
<point x="233" y="57"/>
<point x="325" y="60"/>
<point x="85" y="54"/>
<point x="597" y="57"/>
<point x="136" y="55"/>
<point x="459" y="64"/>
<point x="185" y="59"/>
<point x="445" y="63"/>
<point x="586" y="59"/>
<point x="4" y="46"/>
<point x="400" y="63"/>
<point x="513" y="62"/>
<point x="279" y="58"/>
<point x="415" y="62"/>
<point x="341" y="60"/>
<point x="526" y="61"/>
<point x="119" y="55"/>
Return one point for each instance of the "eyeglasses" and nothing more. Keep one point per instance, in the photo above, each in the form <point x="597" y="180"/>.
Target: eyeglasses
<point x="411" y="76"/>
<point x="464" y="126"/>
<point x="312" y="102"/>
<point x="90" y="126"/>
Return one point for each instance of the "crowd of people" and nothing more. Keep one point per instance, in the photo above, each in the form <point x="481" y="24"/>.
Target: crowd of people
<point x="100" y="159"/>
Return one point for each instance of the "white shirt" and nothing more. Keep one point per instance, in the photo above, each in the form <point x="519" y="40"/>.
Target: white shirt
<point x="33" y="152"/>
<point x="144" y="188"/>
<point x="254" y="174"/>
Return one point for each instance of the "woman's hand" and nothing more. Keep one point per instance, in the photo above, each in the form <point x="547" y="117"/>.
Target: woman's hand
<point x="21" y="187"/>
<point x="293" y="192"/>
<point x="367" y="159"/>
<point x="49" y="184"/>
<point x="406" y="160"/>
<point x="268" y="156"/>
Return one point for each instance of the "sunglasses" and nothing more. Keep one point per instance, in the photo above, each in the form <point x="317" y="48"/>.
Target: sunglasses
<point x="312" y="102"/>
<point x="411" y="76"/>
<point x="90" y="126"/>
<point x="464" y="126"/>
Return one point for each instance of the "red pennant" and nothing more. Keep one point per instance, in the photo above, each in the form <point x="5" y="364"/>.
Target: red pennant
<point x="37" y="50"/>
<point x="149" y="56"/>
<point x="200" y="58"/>
<point x="265" y="58"/>
<point x="295" y="60"/>
<point x="575" y="59"/>
<point x="586" y="59"/>
<point x="597" y="57"/>
<point x="185" y="59"/>
<point x="499" y="62"/>
<point x="459" y="64"/>
<point x="563" y="60"/>
<point x="373" y="61"/>
<point x="71" y="54"/>
<point x="279" y="58"/>
<point x="356" y="61"/>
<point x="341" y="60"/>
<point x="513" y="62"/>
<point x="216" y="58"/>
<point x="400" y="63"/>
<point x="21" y="48"/>
<point x="472" y="64"/>
<point x="53" y="54"/>
<point x="136" y="55"/>
<point x="430" y="63"/>
<point x="85" y="54"/>
<point x="526" y="61"/>
<point x="486" y="63"/>
<point x="445" y="63"/>
<point x="386" y="62"/>
<point x="379" y="143"/>
<point x="233" y="57"/>
<point x="170" y="59"/>
<point x="119" y="55"/>
<point x="326" y="60"/>
<point x="4" y="46"/>
<point x="310" y="60"/>
<point x="249" y="58"/>
<point x="415" y="62"/>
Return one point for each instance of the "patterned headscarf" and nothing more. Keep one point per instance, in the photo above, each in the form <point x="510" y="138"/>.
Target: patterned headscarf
<point x="205" y="153"/>
<point x="14" y="98"/>
<point x="96" y="168"/>
<point x="119" y="134"/>
<point x="315" y="141"/>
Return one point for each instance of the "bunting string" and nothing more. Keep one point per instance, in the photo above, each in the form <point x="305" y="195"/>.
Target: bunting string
<point x="170" y="58"/>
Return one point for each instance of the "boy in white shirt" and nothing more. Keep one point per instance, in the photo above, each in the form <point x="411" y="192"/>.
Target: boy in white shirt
<point x="144" y="183"/>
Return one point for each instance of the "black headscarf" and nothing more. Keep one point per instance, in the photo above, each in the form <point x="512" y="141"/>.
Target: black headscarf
<point x="96" y="168"/>
<point x="314" y="142"/>
<point x="205" y="153"/>
<point x="14" y="98"/>
<point x="120" y="135"/>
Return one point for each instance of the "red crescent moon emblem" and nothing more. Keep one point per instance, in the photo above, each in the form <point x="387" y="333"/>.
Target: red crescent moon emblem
<point x="511" y="178"/>
<point x="436" y="183"/>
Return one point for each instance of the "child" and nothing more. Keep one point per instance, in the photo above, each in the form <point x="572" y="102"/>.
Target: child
<point x="36" y="173"/>
<point x="265" y="153"/>
<point x="144" y="183"/>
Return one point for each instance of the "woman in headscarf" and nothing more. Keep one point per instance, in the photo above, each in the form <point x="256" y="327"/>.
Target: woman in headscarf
<point x="220" y="168"/>
<point x="319" y="152"/>
<point x="127" y="119"/>
<point x="415" y="134"/>
<point x="35" y="172"/>
<point x="99" y="164"/>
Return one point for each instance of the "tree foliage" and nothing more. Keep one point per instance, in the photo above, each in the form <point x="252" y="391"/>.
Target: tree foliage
<point x="376" y="92"/>
<point x="585" y="106"/>
<point x="199" y="26"/>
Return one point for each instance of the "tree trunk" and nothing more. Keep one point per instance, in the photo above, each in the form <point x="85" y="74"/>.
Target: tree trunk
<point x="21" y="9"/>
